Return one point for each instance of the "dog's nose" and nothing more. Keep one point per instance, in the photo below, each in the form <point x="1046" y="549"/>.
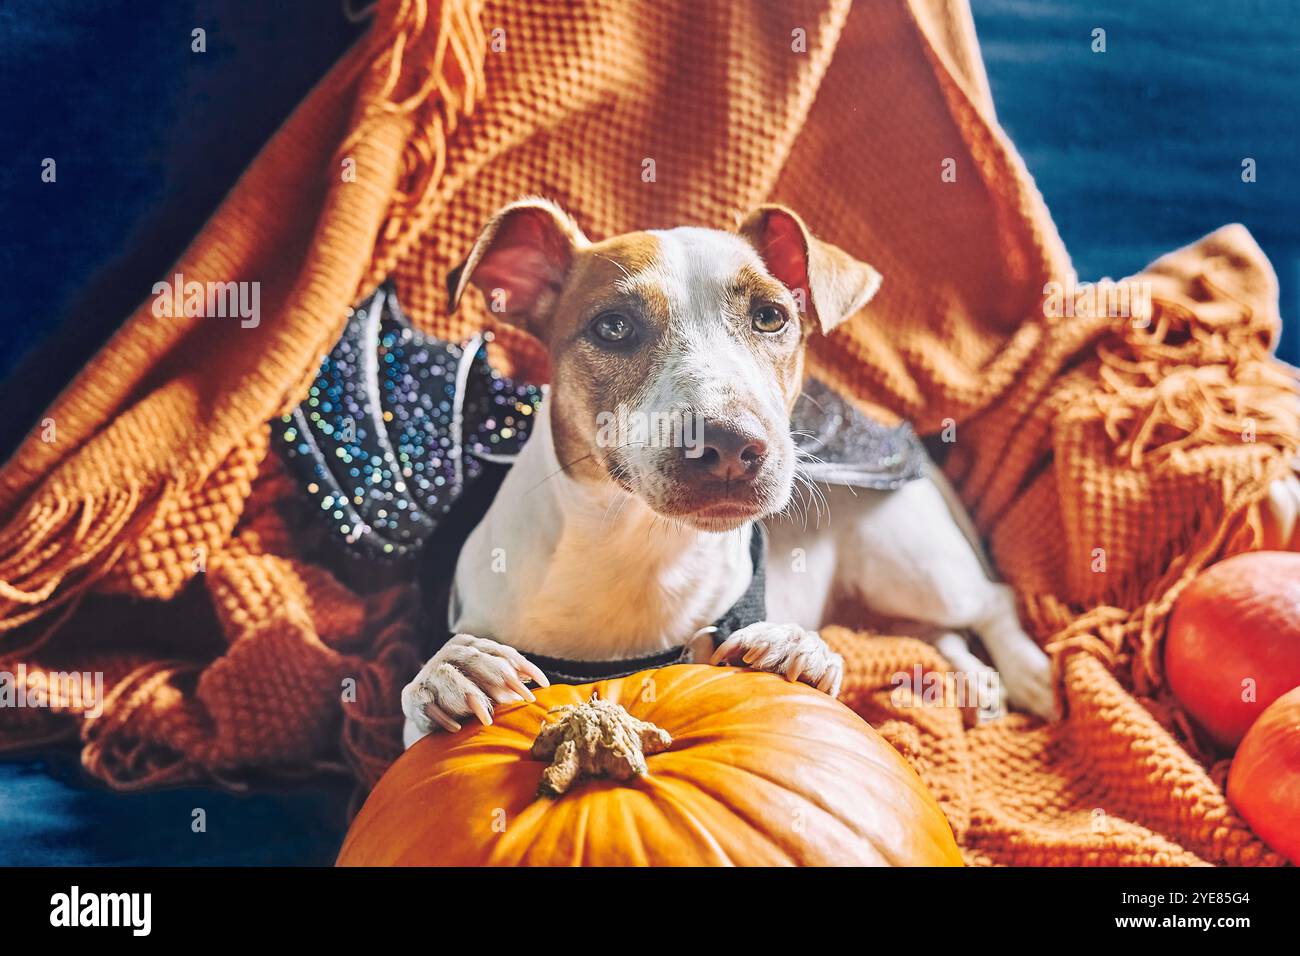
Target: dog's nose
<point x="728" y="451"/>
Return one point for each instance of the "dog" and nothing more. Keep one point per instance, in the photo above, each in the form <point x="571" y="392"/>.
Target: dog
<point x="616" y="550"/>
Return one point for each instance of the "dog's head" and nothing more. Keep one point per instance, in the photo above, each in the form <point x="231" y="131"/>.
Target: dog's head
<point x="676" y="356"/>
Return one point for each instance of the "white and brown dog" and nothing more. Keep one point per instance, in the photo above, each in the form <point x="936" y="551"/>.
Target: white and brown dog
<point x="619" y="550"/>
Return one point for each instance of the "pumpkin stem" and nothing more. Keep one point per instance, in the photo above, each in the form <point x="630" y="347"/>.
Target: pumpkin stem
<point x="595" y="739"/>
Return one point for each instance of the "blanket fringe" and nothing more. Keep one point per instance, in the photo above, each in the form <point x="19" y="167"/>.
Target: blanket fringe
<point x="66" y="543"/>
<point x="115" y="755"/>
<point x="449" y="36"/>
<point x="1186" y="382"/>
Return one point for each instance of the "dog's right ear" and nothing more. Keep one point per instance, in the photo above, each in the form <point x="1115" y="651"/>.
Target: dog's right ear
<point x="520" y="261"/>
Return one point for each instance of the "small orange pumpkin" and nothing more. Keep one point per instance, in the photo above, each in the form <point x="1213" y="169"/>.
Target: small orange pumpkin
<point x="759" y="772"/>
<point x="1234" y="641"/>
<point x="1264" y="780"/>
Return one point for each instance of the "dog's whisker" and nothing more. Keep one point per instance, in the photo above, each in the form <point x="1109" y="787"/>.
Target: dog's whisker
<point x="816" y="498"/>
<point x="800" y="504"/>
<point x="814" y="501"/>
<point x="804" y="396"/>
<point x="621" y="268"/>
<point x="821" y="496"/>
<point x="561" y="470"/>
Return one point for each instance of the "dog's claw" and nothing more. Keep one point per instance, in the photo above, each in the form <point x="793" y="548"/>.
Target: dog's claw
<point x="530" y="671"/>
<point x="795" y="668"/>
<point x="476" y="707"/>
<point x="440" y="716"/>
<point x="724" y="650"/>
<point x="516" y="685"/>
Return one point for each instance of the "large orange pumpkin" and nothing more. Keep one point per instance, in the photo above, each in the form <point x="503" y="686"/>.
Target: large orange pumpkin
<point x="1234" y="641"/>
<point x="760" y="772"/>
<point x="1264" y="780"/>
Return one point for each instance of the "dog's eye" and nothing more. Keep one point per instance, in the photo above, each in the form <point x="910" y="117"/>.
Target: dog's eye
<point x="613" y="328"/>
<point x="769" y="319"/>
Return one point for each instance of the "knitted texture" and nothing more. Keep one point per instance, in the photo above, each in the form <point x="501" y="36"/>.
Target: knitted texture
<point x="1107" y="461"/>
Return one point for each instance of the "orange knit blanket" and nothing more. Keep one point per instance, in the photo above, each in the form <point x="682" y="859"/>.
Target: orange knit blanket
<point x="1107" y="458"/>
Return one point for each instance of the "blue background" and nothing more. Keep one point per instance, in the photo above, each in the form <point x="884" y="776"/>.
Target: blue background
<point x="1137" y="150"/>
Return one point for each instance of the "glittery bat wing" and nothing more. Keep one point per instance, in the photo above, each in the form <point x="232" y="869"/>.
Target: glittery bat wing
<point x="839" y="445"/>
<point x="395" y="425"/>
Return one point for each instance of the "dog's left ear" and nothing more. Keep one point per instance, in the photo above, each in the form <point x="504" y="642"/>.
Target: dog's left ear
<point x="827" y="282"/>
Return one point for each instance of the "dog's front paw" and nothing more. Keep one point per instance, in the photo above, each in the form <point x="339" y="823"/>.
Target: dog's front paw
<point x="785" y="649"/>
<point x="469" y="675"/>
<point x="1026" y="674"/>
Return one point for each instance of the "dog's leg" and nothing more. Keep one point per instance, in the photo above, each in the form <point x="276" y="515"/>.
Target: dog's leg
<point x="468" y="676"/>
<point x="796" y="652"/>
<point x="905" y="556"/>
<point x="1022" y="663"/>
